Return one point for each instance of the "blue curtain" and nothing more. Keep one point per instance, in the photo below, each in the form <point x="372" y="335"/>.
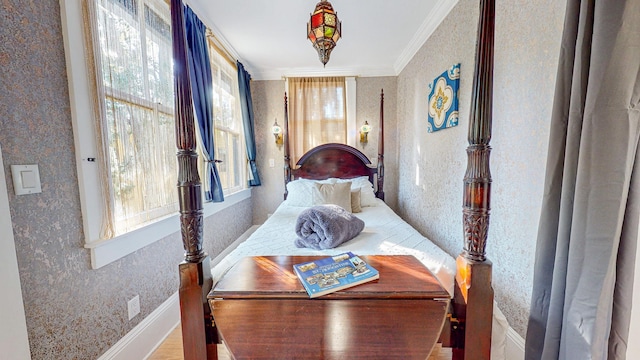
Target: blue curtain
<point x="201" y="87"/>
<point x="247" y="116"/>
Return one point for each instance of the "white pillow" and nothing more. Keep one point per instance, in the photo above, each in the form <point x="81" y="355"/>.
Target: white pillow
<point x="356" y="207"/>
<point x="367" y="195"/>
<point x="300" y="191"/>
<point x="337" y="194"/>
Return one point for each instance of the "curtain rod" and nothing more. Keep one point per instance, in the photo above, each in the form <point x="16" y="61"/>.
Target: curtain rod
<point x="285" y="77"/>
<point x="214" y="41"/>
<point x="220" y="48"/>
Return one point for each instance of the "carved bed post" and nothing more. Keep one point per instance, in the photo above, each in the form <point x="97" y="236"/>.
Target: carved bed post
<point x="380" y="193"/>
<point x="285" y="136"/>
<point x="195" y="271"/>
<point x="474" y="270"/>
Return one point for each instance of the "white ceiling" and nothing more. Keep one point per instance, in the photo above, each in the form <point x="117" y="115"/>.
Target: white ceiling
<point x="379" y="37"/>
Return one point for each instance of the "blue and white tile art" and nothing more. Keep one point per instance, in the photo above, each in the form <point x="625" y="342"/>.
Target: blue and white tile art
<point x="443" y="100"/>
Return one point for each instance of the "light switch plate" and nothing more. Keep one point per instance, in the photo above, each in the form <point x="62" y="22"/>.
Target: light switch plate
<point x="26" y="179"/>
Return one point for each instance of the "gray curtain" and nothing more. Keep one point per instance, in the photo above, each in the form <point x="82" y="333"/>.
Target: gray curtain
<point x="585" y="254"/>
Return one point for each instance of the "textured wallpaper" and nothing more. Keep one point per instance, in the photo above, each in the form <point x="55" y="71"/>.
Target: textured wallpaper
<point x="368" y="109"/>
<point x="432" y="166"/>
<point x="72" y="311"/>
<point x="268" y="105"/>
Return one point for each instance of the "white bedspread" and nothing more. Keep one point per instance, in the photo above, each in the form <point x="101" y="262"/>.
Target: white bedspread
<point x="384" y="233"/>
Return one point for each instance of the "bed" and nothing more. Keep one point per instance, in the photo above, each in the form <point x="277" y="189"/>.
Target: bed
<point x="468" y="326"/>
<point x="384" y="233"/>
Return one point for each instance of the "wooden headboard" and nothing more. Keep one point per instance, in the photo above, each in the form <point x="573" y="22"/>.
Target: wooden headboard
<point x="334" y="160"/>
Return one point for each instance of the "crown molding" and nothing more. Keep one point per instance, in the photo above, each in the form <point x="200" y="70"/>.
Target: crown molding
<point x="429" y="25"/>
<point x="206" y="19"/>
<point x="278" y="74"/>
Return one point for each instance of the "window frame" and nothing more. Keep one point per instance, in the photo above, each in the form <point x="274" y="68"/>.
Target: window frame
<point x="230" y="132"/>
<point x="104" y="251"/>
<point x="147" y="96"/>
<point x="351" y="92"/>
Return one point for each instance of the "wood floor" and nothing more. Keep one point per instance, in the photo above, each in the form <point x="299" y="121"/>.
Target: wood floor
<point x="171" y="349"/>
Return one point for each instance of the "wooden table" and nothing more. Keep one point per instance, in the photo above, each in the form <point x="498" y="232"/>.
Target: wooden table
<point x="261" y="311"/>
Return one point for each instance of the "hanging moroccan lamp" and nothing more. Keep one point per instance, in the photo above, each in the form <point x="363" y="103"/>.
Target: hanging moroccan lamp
<point x="324" y="30"/>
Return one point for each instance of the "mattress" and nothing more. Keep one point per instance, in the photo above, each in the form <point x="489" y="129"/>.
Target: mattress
<point x="385" y="233"/>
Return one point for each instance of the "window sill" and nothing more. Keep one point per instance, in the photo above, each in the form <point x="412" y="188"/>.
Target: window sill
<point x="107" y="251"/>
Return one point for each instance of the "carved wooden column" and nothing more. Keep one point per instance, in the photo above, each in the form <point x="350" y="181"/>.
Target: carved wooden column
<point x="477" y="180"/>
<point x="473" y="269"/>
<point x="380" y="194"/>
<point x="195" y="271"/>
<point x="285" y="136"/>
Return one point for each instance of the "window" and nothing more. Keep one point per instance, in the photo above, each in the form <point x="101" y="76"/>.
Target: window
<point x="133" y="53"/>
<point x="129" y="41"/>
<point x="317" y="113"/>
<point x="227" y="118"/>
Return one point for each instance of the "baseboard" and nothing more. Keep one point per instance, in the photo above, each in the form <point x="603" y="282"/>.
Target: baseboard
<point x="143" y="339"/>
<point x="514" y="345"/>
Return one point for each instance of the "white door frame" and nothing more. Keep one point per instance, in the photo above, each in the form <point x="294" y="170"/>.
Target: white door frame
<point x="13" y="331"/>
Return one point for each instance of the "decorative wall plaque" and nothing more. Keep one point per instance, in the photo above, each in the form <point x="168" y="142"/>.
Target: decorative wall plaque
<point x="443" y="100"/>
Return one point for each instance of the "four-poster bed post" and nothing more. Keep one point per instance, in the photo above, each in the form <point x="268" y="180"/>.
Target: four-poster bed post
<point x="195" y="270"/>
<point x="287" y="158"/>
<point x="473" y="276"/>
<point x="380" y="193"/>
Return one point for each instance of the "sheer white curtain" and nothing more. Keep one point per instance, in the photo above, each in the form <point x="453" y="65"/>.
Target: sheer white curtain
<point x="317" y="113"/>
<point x="133" y="73"/>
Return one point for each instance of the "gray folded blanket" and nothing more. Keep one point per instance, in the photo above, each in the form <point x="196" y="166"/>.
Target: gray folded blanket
<point x="326" y="226"/>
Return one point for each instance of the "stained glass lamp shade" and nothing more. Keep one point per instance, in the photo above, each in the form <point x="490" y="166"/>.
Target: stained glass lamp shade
<point x="324" y="29"/>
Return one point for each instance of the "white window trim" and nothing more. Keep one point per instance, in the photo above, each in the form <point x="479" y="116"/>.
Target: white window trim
<point x="352" y="126"/>
<point x="104" y="252"/>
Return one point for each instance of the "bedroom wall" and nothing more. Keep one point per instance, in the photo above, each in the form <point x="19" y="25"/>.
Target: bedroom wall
<point x="368" y="108"/>
<point x="433" y="165"/>
<point x="72" y="311"/>
<point x="268" y="105"/>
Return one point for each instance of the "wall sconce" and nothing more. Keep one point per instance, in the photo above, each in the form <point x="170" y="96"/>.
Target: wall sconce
<point x="364" y="131"/>
<point x="276" y="130"/>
